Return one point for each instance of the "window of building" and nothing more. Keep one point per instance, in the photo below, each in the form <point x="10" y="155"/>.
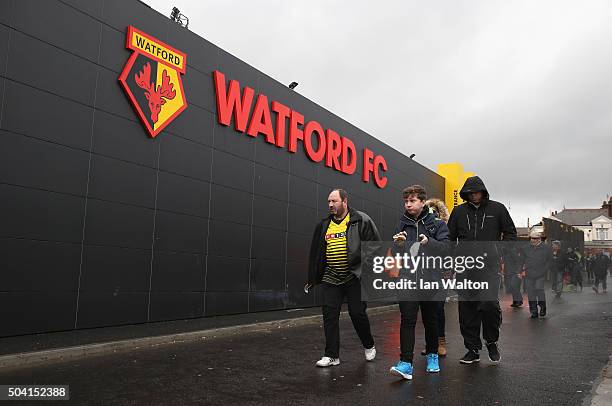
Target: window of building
<point x="602" y="234"/>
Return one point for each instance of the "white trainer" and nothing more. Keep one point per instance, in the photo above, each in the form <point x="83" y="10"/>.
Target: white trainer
<point x="328" y="362"/>
<point x="370" y="354"/>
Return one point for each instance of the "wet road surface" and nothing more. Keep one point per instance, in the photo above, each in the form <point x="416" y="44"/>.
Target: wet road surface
<point x="551" y="361"/>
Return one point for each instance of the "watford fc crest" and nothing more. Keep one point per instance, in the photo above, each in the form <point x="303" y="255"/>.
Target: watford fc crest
<point x="152" y="80"/>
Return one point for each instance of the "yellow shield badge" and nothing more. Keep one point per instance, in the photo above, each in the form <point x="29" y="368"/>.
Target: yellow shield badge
<point x="152" y="80"/>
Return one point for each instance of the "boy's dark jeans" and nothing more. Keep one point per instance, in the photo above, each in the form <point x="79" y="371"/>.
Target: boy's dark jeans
<point x="409" y="311"/>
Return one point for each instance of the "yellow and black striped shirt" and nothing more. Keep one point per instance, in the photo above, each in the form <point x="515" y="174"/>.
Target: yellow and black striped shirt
<point x="337" y="271"/>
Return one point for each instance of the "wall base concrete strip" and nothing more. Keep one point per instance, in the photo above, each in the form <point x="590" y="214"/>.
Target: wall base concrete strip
<point x="71" y="353"/>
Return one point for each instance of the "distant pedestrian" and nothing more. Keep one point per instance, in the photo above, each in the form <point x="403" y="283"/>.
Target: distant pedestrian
<point x="513" y="264"/>
<point x="558" y="268"/>
<point x="570" y="268"/>
<point x="601" y="264"/>
<point x="577" y="270"/>
<point x="589" y="268"/>
<point x="538" y="261"/>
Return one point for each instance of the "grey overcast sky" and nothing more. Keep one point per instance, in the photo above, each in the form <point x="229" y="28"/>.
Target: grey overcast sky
<point x="520" y="92"/>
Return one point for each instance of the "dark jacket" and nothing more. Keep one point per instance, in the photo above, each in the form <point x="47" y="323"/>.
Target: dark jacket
<point x="513" y="259"/>
<point x="559" y="262"/>
<point x="436" y="231"/>
<point x="434" y="228"/>
<point x="571" y="264"/>
<point x="488" y="222"/>
<point x="538" y="260"/>
<point x="360" y="228"/>
<point x="601" y="265"/>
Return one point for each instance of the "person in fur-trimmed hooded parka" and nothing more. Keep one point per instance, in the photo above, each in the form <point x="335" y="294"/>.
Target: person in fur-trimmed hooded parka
<point x="438" y="208"/>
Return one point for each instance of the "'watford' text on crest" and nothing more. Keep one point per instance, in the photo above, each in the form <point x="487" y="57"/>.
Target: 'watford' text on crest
<point x="152" y="80"/>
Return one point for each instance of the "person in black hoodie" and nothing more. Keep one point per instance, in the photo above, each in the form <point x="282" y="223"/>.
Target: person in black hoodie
<point x="480" y="219"/>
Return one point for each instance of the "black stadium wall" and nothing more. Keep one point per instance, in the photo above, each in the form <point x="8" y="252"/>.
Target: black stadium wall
<point x="102" y="224"/>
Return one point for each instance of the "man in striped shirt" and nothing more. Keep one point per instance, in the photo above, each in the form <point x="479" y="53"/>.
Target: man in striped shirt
<point x="337" y="271"/>
<point x="335" y="263"/>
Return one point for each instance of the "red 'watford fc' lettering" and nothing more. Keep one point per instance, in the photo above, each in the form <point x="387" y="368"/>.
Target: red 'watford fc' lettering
<point x="319" y="144"/>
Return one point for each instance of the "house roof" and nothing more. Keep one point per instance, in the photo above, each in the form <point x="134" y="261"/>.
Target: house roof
<point x="522" y="231"/>
<point x="602" y="219"/>
<point x="579" y="217"/>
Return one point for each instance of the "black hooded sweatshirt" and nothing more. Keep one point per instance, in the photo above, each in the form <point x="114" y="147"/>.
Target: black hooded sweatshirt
<point x="490" y="221"/>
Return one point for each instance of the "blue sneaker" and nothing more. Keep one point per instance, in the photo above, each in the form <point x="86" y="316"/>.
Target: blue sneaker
<point x="403" y="369"/>
<point x="432" y="363"/>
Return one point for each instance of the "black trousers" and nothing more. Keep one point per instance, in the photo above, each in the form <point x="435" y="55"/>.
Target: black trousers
<point x="557" y="282"/>
<point x="536" y="295"/>
<point x="576" y="277"/>
<point x="333" y="297"/>
<point x="473" y="314"/>
<point x="601" y="278"/>
<point x="409" y="311"/>
<point x="515" y="288"/>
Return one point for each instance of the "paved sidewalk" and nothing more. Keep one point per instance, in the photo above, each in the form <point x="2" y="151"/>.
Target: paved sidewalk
<point x="54" y="347"/>
<point x="553" y="361"/>
<point x="62" y="339"/>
